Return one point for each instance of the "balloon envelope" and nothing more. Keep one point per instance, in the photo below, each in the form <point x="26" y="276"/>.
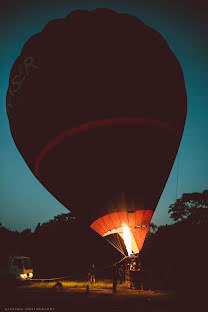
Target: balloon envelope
<point x="97" y="106"/>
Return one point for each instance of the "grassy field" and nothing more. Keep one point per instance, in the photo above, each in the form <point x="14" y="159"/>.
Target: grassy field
<point x="102" y="284"/>
<point x="41" y="295"/>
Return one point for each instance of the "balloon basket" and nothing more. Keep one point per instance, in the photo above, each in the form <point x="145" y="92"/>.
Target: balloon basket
<point x="137" y="279"/>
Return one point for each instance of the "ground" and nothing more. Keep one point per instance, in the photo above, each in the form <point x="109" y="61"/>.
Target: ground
<point x="45" y="297"/>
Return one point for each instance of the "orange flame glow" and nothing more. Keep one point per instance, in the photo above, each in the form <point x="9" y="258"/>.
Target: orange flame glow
<point x="127" y="239"/>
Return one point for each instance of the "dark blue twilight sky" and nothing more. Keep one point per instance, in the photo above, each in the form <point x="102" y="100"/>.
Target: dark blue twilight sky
<point x="23" y="200"/>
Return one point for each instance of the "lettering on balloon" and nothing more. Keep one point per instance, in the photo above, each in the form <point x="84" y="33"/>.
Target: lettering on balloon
<point x="16" y="82"/>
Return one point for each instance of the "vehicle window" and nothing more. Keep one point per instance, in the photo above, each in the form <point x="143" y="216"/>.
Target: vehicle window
<point x="27" y="263"/>
<point x="18" y="263"/>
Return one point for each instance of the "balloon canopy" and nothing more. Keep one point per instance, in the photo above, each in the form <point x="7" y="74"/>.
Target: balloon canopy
<point x="97" y="106"/>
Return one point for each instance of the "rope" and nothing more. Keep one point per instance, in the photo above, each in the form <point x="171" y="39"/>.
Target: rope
<point x="177" y="171"/>
<point x="50" y="279"/>
<point x="108" y="266"/>
<point x="64" y="277"/>
<point x="114" y="245"/>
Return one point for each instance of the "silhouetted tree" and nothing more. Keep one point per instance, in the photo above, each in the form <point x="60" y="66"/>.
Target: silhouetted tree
<point x="26" y="232"/>
<point x="153" y="228"/>
<point x="191" y="208"/>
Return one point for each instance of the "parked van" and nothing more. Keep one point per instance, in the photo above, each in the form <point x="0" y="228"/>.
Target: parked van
<point x="18" y="267"/>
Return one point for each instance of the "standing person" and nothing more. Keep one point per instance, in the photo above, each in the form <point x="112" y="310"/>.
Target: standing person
<point x="91" y="274"/>
<point x="121" y="274"/>
<point x="139" y="264"/>
<point x="115" y="274"/>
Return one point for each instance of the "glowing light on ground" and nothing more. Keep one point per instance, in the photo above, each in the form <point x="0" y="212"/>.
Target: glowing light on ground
<point x="127" y="239"/>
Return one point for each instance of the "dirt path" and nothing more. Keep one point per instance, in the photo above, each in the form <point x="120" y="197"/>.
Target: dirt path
<point x="76" y="299"/>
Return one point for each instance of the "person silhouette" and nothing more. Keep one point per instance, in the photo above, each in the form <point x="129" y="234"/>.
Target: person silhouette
<point x="91" y="274"/>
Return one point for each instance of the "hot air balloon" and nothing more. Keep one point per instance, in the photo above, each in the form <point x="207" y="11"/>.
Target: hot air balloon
<point x="97" y="106"/>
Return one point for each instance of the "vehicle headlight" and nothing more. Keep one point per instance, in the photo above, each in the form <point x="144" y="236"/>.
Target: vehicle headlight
<point x="23" y="276"/>
<point x="30" y="274"/>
